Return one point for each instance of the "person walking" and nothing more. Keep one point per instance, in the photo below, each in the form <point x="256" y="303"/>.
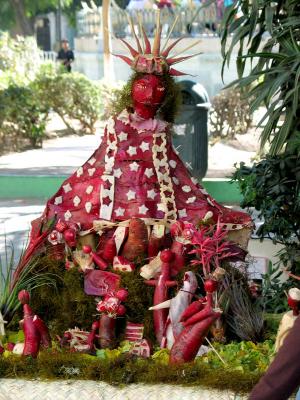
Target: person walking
<point x="66" y="55"/>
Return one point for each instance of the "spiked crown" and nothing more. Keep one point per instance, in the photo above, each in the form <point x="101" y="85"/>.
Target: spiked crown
<point x="154" y="60"/>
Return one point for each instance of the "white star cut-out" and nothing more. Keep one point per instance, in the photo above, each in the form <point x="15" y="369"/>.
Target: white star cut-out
<point x="161" y="207"/>
<point x="175" y="180"/>
<point x="130" y="195"/>
<point x="131" y="150"/>
<point x="134" y="166"/>
<point x="122" y="136"/>
<point x="89" y="189"/>
<point x="76" y="201"/>
<point x="119" y="212"/>
<point x="79" y="172"/>
<point x="67" y="215"/>
<point x="111" y="125"/>
<point x="91" y="171"/>
<point x="88" y="207"/>
<point x="144" y="146"/>
<point x="151" y="194"/>
<point x="203" y="191"/>
<point x="173" y="163"/>
<point x="109" y="162"/>
<point x="182" y="213"/>
<point x="149" y="172"/>
<point x="143" y="209"/>
<point x="186" y="188"/>
<point x="92" y="161"/>
<point x="194" y="180"/>
<point x="67" y="188"/>
<point x="191" y="200"/>
<point x="118" y="172"/>
<point x="58" y="200"/>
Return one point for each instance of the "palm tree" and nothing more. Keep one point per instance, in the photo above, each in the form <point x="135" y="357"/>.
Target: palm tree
<point x="267" y="33"/>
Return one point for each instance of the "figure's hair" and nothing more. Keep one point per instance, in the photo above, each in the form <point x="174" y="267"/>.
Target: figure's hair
<point x="169" y="108"/>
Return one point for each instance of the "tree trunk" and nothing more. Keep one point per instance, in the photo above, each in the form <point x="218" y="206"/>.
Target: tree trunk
<point x="22" y="20"/>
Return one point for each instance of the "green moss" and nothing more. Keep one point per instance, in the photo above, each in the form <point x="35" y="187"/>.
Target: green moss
<point x="66" y="306"/>
<point x="140" y="298"/>
<point x="56" y="365"/>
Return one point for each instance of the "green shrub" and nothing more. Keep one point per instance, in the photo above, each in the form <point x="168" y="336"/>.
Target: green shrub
<point x="22" y="115"/>
<point x="72" y="96"/>
<point x="19" y="60"/>
<point x="230" y="114"/>
<point x="272" y="186"/>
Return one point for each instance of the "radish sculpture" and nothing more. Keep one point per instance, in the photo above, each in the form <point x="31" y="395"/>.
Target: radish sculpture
<point x="197" y="319"/>
<point x="162" y="283"/>
<point x="110" y="308"/>
<point x="35" y="330"/>
<point x="177" y="305"/>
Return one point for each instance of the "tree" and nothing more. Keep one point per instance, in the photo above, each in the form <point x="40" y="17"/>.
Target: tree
<point x="267" y="33"/>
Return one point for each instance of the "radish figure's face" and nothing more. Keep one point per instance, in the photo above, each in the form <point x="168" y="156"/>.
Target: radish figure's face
<point x="149" y="91"/>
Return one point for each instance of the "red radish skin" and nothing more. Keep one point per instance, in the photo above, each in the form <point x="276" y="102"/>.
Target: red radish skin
<point x="110" y="250"/>
<point x="31" y="333"/>
<point x="96" y="258"/>
<point x="24" y="296"/>
<point x="210" y="285"/>
<point x="92" y="335"/>
<point x="70" y="237"/>
<point x="122" y="294"/>
<point x="187" y="344"/>
<point x="161" y="294"/>
<point x="179" y="259"/>
<point x="107" y="331"/>
<point x="136" y="245"/>
<point x="43" y="331"/>
<point x="154" y="246"/>
<point x="192" y="309"/>
<point x="199" y="316"/>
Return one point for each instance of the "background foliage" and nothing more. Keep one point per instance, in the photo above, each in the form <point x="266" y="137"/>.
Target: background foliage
<point x="267" y="35"/>
<point x="230" y="114"/>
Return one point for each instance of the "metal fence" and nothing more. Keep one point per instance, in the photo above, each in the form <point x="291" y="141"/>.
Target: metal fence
<point x="197" y="21"/>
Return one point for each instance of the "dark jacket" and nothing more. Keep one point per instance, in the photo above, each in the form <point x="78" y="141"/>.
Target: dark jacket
<point x="283" y="376"/>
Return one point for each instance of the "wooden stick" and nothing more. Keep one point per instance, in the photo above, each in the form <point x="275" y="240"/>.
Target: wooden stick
<point x="214" y="350"/>
<point x="170" y="33"/>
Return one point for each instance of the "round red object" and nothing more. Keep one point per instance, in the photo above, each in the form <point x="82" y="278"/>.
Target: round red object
<point x="210" y="285"/>
<point x="10" y="346"/>
<point x="24" y="296"/>
<point x="61" y="226"/>
<point x="70" y="237"/>
<point x="293" y="303"/>
<point x="166" y="256"/>
<point x="87" y="249"/>
<point x="122" y="294"/>
<point x="121" y="310"/>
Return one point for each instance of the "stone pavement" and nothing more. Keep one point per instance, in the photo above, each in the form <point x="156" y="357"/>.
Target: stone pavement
<point x="19" y="389"/>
